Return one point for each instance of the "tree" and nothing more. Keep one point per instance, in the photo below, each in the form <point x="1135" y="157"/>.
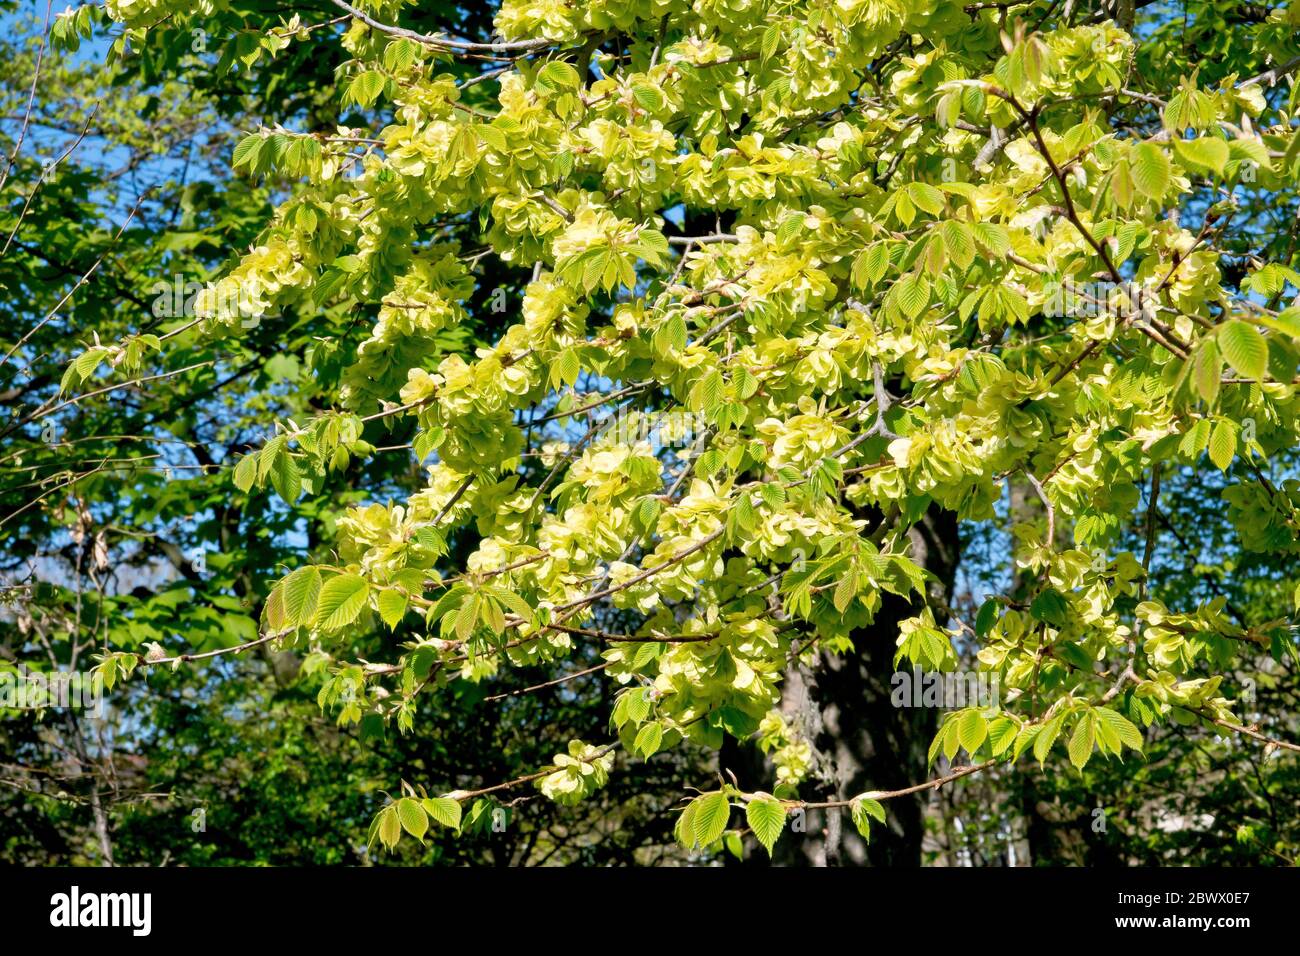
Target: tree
<point x="786" y="292"/>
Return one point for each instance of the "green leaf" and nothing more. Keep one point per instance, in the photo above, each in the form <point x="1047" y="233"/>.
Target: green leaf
<point x="766" y="817"/>
<point x="88" y="361"/>
<point x="341" y="600"/>
<point x="993" y="237"/>
<point x="1223" y="444"/>
<point x="732" y="842"/>
<point x="1206" y="370"/>
<point x="1002" y="733"/>
<point x="648" y="739"/>
<point x="445" y="810"/>
<point x="926" y="198"/>
<point x="710" y="817"/>
<point x="1081" y="742"/>
<point x="301" y="592"/>
<point x="246" y="151"/>
<point x="400" y="54"/>
<point x="863" y="810"/>
<point x="517" y="605"/>
<point x="567" y="367"/>
<point x="871" y="265"/>
<point x="1244" y="348"/>
<point x="936" y="745"/>
<point x="846" y="590"/>
<point x="871" y="807"/>
<point x="467" y="617"/>
<point x="958" y="241"/>
<point x="1126" y="730"/>
<point x="1208" y="152"/>
<point x="1027" y="735"/>
<point x="246" y="473"/>
<point x="913" y="292"/>
<point x="1051" y="607"/>
<point x="559" y="75"/>
<point x="286" y="479"/>
<point x="971" y="730"/>
<point x="1150" y="170"/>
<point x="1195" y="440"/>
<point x="392" y="607"/>
<point x="366" y="87"/>
<point x="390" y="827"/>
<point x="1107" y="738"/>
<point x="273" y="613"/>
<point x="649" y="98"/>
<point x="707" y="394"/>
<point x="413" y="818"/>
<point x="1047" y="736"/>
<point x="771" y="41"/>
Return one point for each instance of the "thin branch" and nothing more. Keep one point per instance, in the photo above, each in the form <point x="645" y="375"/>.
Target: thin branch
<point x="891" y="794"/>
<point x="442" y="41"/>
<point x="550" y="683"/>
<point x="31" y="96"/>
<point x="78" y="284"/>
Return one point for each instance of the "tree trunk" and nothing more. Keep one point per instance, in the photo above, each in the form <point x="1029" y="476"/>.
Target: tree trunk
<point x="861" y="741"/>
<point x="1042" y="841"/>
<point x="87" y="767"/>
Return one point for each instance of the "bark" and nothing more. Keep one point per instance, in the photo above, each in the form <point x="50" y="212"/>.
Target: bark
<point x="861" y="740"/>
<point x="1042" y="839"/>
<point x="99" y="813"/>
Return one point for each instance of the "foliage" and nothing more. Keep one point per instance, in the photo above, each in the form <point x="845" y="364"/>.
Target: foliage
<point x="824" y="267"/>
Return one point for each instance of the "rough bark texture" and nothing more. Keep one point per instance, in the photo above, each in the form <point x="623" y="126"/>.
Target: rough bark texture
<point x="1042" y="839"/>
<point x="861" y="741"/>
